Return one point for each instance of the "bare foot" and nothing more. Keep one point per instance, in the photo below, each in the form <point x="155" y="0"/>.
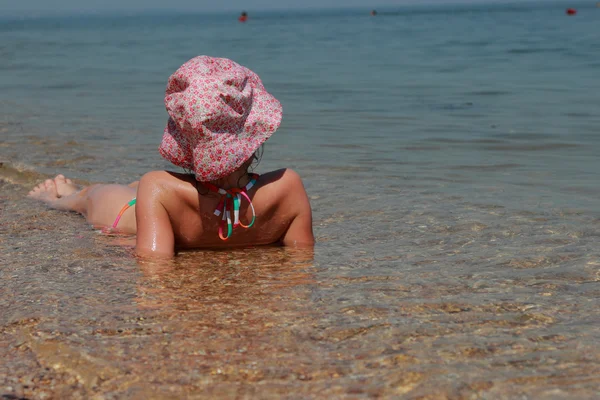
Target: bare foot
<point x="45" y="191"/>
<point x="64" y="186"/>
<point x="52" y="189"/>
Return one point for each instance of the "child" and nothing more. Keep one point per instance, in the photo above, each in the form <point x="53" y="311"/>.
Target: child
<point x="220" y="115"/>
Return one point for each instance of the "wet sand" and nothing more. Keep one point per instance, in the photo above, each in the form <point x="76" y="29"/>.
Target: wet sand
<point x="83" y="319"/>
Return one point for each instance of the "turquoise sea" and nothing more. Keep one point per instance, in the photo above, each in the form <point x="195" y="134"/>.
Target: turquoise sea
<point x="451" y="156"/>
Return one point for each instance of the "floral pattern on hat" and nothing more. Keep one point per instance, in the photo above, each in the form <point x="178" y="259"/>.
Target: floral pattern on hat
<point x="220" y="113"/>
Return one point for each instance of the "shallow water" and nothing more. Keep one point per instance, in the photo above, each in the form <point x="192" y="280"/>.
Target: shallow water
<point x="487" y="303"/>
<point x="452" y="172"/>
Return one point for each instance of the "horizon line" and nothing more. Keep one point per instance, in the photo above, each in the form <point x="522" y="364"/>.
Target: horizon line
<point x="127" y="12"/>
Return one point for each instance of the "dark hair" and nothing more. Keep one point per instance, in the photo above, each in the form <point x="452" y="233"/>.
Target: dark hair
<point x="254" y="161"/>
<point x="257" y="156"/>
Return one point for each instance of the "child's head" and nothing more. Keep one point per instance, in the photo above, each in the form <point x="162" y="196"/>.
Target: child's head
<point x="220" y="114"/>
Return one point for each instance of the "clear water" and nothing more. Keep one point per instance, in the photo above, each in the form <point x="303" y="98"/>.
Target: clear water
<point x="451" y="157"/>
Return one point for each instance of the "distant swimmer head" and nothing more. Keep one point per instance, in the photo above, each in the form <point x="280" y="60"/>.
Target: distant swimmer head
<point x="219" y="115"/>
<point x="243" y="16"/>
<point x="373" y="12"/>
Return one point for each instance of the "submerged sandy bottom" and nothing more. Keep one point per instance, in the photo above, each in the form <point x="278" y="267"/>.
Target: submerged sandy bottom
<point x="418" y="315"/>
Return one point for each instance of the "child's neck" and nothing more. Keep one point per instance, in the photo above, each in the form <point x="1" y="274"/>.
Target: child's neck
<point x="236" y="179"/>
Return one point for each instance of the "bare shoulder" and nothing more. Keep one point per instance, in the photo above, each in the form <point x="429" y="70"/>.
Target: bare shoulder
<point x="155" y="235"/>
<point x="291" y="177"/>
<point x="294" y="204"/>
<point x="286" y="186"/>
<point x="168" y="188"/>
<point x="284" y="179"/>
<point x="163" y="181"/>
<point x="153" y="178"/>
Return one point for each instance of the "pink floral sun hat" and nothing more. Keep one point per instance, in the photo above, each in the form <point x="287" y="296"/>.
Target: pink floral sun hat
<point x="220" y="114"/>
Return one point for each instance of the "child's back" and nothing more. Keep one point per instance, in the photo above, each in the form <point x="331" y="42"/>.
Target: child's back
<point x="175" y="211"/>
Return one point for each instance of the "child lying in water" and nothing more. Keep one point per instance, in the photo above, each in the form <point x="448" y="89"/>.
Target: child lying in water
<point x="220" y="115"/>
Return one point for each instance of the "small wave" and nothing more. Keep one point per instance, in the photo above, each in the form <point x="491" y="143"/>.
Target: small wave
<point x="451" y="106"/>
<point x="494" y="167"/>
<point x="531" y="147"/>
<point x="523" y="51"/>
<point x="453" y="179"/>
<point x="19" y="174"/>
<point x="487" y="141"/>
<point x="389" y="161"/>
<point x="344" y="146"/>
<point x="422" y="148"/>
<point x="578" y="114"/>
<point x="489" y="93"/>
<point x="445" y="140"/>
<point x="534" y="50"/>
<point x="63" y="86"/>
<point x="332" y="168"/>
<point x="462" y="141"/>
<point x="452" y="69"/>
<point x="523" y="135"/>
<point x="591" y="191"/>
<point x="467" y="43"/>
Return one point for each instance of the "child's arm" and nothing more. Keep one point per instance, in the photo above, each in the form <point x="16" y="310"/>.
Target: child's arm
<point x="154" y="231"/>
<point x="300" y="231"/>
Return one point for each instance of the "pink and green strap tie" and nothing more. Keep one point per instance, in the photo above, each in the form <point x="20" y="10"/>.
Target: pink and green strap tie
<point x="229" y="206"/>
<point x="130" y="203"/>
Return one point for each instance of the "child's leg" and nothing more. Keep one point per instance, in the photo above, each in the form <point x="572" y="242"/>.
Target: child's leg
<point x="100" y="204"/>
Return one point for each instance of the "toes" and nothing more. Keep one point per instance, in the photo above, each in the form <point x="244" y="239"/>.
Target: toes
<point x="37" y="190"/>
<point x="50" y="189"/>
<point x="64" y="186"/>
<point x="50" y="186"/>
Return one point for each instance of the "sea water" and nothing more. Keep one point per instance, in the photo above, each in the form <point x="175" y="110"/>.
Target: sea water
<point x="450" y="153"/>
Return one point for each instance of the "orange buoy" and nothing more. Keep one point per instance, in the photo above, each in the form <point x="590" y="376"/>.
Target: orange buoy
<point x="571" y="11"/>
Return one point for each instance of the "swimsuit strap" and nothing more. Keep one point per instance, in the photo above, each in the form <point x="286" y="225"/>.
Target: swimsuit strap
<point x="229" y="205"/>
<point x="125" y="207"/>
